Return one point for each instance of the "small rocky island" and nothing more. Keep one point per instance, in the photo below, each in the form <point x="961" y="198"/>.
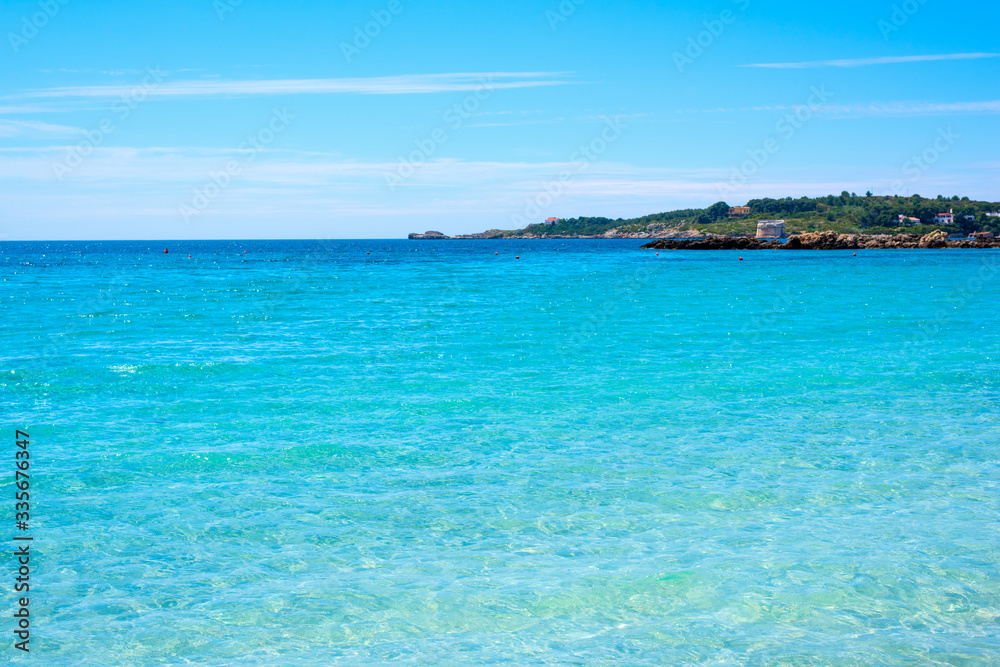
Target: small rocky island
<point x="826" y="241"/>
<point x="428" y="236"/>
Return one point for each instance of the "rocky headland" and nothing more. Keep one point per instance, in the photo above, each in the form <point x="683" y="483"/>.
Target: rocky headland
<point x="825" y="241"/>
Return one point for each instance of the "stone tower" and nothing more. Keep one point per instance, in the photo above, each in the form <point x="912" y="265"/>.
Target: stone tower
<point x="771" y="229"/>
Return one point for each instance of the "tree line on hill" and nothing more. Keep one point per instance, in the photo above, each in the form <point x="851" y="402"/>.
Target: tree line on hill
<point x="846" y="211"/>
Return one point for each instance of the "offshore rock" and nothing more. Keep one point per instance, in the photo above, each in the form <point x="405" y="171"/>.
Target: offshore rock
<point x="714" y="243"/>
<point x="428" y="236"/>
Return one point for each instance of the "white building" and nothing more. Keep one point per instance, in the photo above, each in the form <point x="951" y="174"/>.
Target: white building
<point x="945" y="218"/>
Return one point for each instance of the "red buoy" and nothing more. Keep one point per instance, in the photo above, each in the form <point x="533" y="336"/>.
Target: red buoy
<point x="518" y="257"/>
<point x="741" y="259"/>
<point x="165" y="250"/>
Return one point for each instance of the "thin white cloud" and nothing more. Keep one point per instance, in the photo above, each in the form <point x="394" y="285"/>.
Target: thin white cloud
<point x="34" y="128"/>
<point x="535" y="112"/>
<point x="551" y="121"/>
<point x="24" y="109"/>
<point x="384" y="85"/>
<point x="886" y="60"/>
<point x="913" y="108"/>
<point x="906" y="108"/>
<point x="137" y="193"/>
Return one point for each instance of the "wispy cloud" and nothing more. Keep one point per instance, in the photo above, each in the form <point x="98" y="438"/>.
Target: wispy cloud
<point x="885" y="60"/>
<point x="112" y="72"/>
<point x="384" y="85"/>
<point x="7" y="110"/>
<point x="34" y="128"/>
<point x="913" y="108"/>
<point x="516" y="123"/>
<point x="905" y="108"/>
<point x="314" y="193"/>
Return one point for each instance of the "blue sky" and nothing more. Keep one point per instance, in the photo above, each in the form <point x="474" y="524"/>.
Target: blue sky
<point x="251" y="119"/>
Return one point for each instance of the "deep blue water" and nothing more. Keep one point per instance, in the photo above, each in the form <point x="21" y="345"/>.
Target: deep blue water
<point x="301" y="453"/>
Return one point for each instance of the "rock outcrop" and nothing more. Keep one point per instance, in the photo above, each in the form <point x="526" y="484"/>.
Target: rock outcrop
<point x="428" y="236"/>
<point x="489" y="234"/>
<point x="936" y="239"/>
<point x="827" y="241"/>
<point x="715" y="243"/>
<point x="652" y="232"/>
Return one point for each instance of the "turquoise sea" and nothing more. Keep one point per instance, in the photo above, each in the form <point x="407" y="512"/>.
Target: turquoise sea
<point x="300" y="453"/>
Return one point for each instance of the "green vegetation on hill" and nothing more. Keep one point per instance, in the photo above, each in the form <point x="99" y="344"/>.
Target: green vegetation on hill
<point x="846" y="213"/>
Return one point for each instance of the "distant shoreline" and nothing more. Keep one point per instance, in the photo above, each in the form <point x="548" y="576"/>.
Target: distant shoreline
<point x="847" y="213"/>
<point x="827" y="241"/>
<point x="808" y="241"/>
<point x="488" y="236"/>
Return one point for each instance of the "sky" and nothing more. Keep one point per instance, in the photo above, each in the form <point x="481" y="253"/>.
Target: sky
<point x="244" y="119"/>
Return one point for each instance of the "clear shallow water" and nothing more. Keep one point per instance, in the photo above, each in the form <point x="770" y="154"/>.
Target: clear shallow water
<point x="433" y="454"/>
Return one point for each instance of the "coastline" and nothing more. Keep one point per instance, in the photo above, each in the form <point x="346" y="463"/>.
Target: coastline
<point x="808" y="241"/>
<point x="826" y="241"/>
<point x="651" y="233"/>
<point x="769" y="218"/>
